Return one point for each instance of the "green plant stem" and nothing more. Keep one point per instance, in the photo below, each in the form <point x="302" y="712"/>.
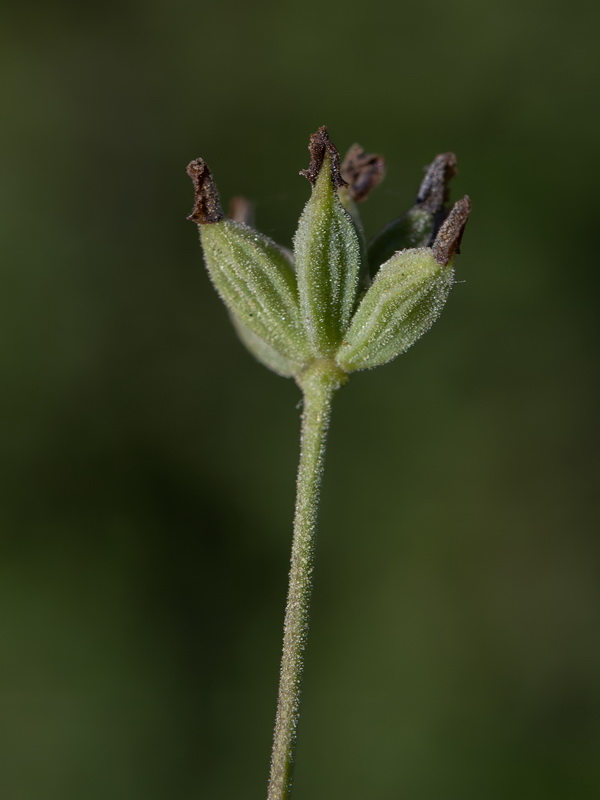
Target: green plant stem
<point x="318" y="383"/>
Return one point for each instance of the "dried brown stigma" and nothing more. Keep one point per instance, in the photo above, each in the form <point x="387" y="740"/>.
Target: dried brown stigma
<point x="447" y="241"/>
<point x="241" y="210"/>
<point x="434" y="189"/>
<point x="207" y="206"/>
<point x="362" y="171"/>
<point x="320" y="145"/>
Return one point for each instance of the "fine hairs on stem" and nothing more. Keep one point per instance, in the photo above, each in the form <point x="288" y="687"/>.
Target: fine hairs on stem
<point x="339" y="303"/>
<point x="318" y="386"/>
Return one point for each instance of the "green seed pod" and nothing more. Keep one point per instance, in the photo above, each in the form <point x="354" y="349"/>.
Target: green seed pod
<point x="265" y="353"/>
<point x="418" y="226"/>
<point x="405" y="299"/>
<point x="293" y="320"/>
<point x="362" y="173"/>
<point x="327" y="252"/>
<point x="257" y="284"/>
<point x="250" y="272"/>
<point x="412" y="229"/>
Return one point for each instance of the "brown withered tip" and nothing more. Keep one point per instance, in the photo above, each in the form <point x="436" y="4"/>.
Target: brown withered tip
<point x="362" y="171"/>
<point x="434" y="189"/>
<point x="241" y="210"/>
<point x="207" y="206"/>
<point x="447" y="241"/>
<point x="320" y="145"/>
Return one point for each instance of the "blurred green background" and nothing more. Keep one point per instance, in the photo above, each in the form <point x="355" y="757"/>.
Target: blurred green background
<point x="148" y="467"/>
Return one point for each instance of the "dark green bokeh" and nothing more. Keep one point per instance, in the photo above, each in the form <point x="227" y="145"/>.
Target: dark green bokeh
<point x="148" y="464"/>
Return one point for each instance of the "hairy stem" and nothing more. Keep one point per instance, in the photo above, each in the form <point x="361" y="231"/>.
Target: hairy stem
<point x="318" y="384"/>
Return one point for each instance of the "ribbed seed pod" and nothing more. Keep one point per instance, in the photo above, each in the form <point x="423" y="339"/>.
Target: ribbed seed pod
<point x="291" y="315"/>
<point x="404" y="300"/>
<point x="265" y="353"/>
<point x="327" y="252"/>
<point x="257" y="283"/>
<point x="418" y="226"/>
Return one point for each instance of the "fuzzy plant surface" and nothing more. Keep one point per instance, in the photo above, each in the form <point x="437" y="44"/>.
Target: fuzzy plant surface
<point x="336" y="305"/>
